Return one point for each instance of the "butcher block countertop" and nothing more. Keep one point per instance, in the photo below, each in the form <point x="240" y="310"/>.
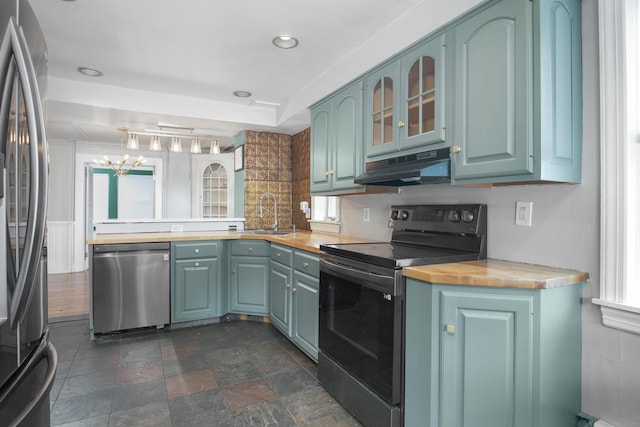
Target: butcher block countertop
<point x="495" y="273"/>
<point x="305" y="240"/>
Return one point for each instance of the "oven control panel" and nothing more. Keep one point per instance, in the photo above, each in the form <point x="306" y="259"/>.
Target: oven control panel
<point x="467" y="218"/>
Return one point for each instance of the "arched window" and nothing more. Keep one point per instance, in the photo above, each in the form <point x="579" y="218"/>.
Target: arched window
<point x="214" y="191"/>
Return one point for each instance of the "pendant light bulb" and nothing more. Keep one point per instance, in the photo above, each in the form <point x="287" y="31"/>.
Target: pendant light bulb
<point x="176" y="145"/>
<point x="215" y="147"/>
<point x="195" y="146"/>
<point x="154" y="145"/>
<point x="132" y="143"/>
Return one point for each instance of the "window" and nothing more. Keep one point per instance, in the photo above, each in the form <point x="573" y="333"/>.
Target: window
<point x="212" y="186"/>
<point x="214" y="191"/>
<point x="620" y="163"/>
<point x="129" y="196"/>
<point x="325" y="208"/>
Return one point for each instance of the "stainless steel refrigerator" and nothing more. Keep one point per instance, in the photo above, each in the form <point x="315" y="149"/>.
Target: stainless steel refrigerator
<point x="27" y="358"/>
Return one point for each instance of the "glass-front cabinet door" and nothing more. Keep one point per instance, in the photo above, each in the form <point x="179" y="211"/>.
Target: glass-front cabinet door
<point x="381" y="103"/>
<point x="405" y="103"/>
<point x="422" y="113"/>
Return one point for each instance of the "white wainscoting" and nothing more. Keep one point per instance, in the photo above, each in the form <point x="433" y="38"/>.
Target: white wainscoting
<point x="60" y="243"/>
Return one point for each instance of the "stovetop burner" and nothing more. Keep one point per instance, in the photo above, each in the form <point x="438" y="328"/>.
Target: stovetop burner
<point x="424" y="234"/>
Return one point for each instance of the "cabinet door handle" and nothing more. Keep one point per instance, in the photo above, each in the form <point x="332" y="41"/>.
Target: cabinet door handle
<point x="233" y="270"/>
<point x="331" y="172"/>
<point x="249" y="249"/>
<point x="293" y="290"/>
<point x="305" y="264"/>
<point x="326" y="173"/>
<point x="456" y="149"/>
<point x="400" y="124"/>
<point x="451" y="329"/>
<point x="286" y="286"/>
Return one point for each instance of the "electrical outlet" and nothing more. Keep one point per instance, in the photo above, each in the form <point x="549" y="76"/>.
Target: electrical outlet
<point x="365" y="214"/>
<point x="523" y="213"/>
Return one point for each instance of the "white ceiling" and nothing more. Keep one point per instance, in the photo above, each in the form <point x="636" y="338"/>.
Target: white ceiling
<point x="178" y="62"/>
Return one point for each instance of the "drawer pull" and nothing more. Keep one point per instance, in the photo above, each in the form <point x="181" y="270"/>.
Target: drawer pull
<point x="249" y="249"/>
<point x="196" y="251"/>
<point x="278" y="255"/>
<point x="197" y="264"/>
<point x="305" y="264"/>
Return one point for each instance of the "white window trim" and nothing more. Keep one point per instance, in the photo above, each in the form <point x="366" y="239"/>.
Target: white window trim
<point x="614" y="107"/>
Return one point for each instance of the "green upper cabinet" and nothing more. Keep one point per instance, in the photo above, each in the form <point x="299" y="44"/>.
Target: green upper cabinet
<point x="381" y="110"/>
<point x="422" y="112"/>
<point x="405" y="102"/>
<point x="336" y="142"/>
<point x="517" y="93"/>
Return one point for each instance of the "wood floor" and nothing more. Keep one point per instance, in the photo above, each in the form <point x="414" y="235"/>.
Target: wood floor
<point x="68" y="296"/>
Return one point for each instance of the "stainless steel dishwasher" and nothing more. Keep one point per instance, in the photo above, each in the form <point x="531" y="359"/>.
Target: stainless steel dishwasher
<point x="130" y="286"/>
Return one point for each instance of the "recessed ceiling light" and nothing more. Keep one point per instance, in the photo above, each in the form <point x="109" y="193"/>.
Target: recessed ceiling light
<point x="92" y="72"/>
<point x="285" y="42"/>
<point x="241" y="93"/>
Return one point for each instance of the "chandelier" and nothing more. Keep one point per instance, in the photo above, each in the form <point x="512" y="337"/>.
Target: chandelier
<point x="122" y="167"/>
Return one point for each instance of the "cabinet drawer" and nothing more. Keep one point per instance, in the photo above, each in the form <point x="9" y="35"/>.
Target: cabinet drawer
<point x="250" y="248"/>
<point x="307" y="263"/>
<point x="195" y="250"/>
<point x="282" y="255"/>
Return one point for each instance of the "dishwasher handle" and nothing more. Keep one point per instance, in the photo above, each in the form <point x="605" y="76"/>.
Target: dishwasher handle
<point x="129" y="247"/>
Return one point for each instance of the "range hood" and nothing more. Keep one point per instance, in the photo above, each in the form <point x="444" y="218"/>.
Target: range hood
<point x="427" y="167"/>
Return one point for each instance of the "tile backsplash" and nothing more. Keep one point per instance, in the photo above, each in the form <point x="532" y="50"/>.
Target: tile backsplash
<point x="279" y="164"/>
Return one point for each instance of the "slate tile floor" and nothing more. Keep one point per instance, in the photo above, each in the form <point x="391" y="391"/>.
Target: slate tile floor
<point x="238" y="373"/>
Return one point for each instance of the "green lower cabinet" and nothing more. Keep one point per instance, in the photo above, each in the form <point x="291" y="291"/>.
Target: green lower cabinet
<point x="195" y="281"/>
<point x="304" y="313"/>
<point x="249" y="277"/>
<point x="294" y="297"/>
<point x="492" y="357"/>
<point x="280" y="290"/>
<point x="249" y="285"/>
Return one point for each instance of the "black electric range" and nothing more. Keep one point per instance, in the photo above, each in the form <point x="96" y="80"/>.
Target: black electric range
<point x="361" y="322"/>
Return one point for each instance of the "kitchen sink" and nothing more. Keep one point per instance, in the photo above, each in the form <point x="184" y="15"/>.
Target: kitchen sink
<point x="268" y="232"/>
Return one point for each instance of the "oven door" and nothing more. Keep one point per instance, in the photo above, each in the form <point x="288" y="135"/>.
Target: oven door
<point x="360" y="328"/>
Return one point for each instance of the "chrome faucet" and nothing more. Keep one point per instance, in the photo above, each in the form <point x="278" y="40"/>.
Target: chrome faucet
<point x="275" y="209"/>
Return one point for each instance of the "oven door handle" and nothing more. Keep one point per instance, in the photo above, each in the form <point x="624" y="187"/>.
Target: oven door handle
<point x="372" y="280"/>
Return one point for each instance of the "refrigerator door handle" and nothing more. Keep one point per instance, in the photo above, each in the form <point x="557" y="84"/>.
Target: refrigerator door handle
<point x="35" y="229"/>
<point x="44" y="350"/>
<point x="4" y="309"/>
